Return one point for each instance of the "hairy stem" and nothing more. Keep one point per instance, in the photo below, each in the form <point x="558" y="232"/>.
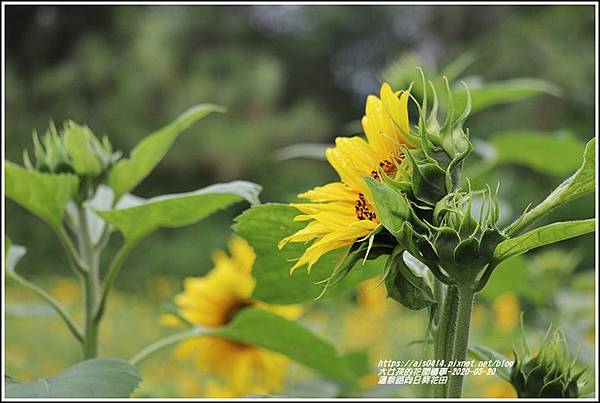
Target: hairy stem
<point x="444" y="337"/>
<point x="461" y="337"/>
<point x="450" y="313"/>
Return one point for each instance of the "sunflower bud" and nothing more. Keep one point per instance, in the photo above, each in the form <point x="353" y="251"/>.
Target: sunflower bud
<point x="458" y="242"/>
<point x="75" y="149"/>
<point x="548" y="374"/>
<point x="437" y="161"/>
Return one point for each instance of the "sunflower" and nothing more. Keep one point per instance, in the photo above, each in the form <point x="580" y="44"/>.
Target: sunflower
<point x="340" y="213"/>
<point x="506" y="312"/>
<point x="213" y="301"/>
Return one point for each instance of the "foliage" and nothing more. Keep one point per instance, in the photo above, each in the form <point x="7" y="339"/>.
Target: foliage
<point x="423" y="211"/>
<point x="263" y="227"/>
<point x="99" y="377"/>
<point x="527" y="133"/>
<point x="46" y="191"/>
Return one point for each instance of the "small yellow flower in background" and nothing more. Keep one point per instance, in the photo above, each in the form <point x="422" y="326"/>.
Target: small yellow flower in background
<point x="506" y="312"/>
<point x="368" y="381"/>
<point x="371" y="296"/>
<point x="500" y="389"/>
<point x="479" y="315"/>
<point x="169" y="320"/>
<point x="190" y="385"/>
<point x="213" y="301"/>
<point x="67" y="290"/>
<point x="340" y="213"/>
<point x="364" y="325"/>
<point x="218" y="390"/>
<point x="490" y="387"/>
<point x="590" y="336"/>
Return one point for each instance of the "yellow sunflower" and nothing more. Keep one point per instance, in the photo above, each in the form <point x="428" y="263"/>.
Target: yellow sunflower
<point x="213" y="301"/>
<point x="339" y="213"/>
<point x="507" y="312"/>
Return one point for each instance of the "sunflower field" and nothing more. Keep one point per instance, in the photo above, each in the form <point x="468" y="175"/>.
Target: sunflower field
<point x="300" y="201"/>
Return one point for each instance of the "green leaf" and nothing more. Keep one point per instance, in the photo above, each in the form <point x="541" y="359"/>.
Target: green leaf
<point x="272" y="332"/>
<point x="128" y="173"/>
<point x="78" y="143"/>
<point x="509" y="276"/>
<point x="44" y="195"/>
<point x="531" y="149"/>
<point x="582" y="182"/>
<point x="393" y="209"/>
<point x="99" y="377"/>
<point x="458" y="66"/>
<point x="263" y="227"/>
<point x="502" y="92"/>
<point x="406" y="287"/>
<point x="485" y="354"/>
<point x="545" y="235"/>
<point x="177" y="210"/>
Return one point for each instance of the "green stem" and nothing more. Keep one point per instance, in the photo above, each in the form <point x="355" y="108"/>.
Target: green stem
<point x="72" y="254"/>
<point x="439" y="291"/>
<point x="111" y="276"/>
<point x="444" y="337"/>
<point x="450" y="313"/>
<point x="461" y="337"/>
<point x="90" y="346"/>
<point x="165" y="342"/>
<point x="60" y="310"/>
<point x="90" y="285"/>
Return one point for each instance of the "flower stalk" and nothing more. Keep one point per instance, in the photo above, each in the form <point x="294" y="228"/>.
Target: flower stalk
<point x="461" y="336"/>
<point x="89" y="282"/>
<point x="166" y="342"/>
<point x="445" y="328"/>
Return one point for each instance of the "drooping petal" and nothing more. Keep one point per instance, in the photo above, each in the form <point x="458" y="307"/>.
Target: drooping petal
<point x="331" y="225"/>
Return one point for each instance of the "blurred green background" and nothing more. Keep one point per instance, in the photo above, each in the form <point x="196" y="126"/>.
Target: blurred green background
<point x="288" y="75"/>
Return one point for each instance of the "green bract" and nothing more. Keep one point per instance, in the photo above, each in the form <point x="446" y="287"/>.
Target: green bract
<point x="437" y="161"/>
<point x="457" y="242"/>
<point x="76" y="150"/>
<point x="550" y="373"/>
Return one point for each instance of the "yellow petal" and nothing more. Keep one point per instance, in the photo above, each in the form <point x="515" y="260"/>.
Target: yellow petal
<point x="397" y="110"/>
